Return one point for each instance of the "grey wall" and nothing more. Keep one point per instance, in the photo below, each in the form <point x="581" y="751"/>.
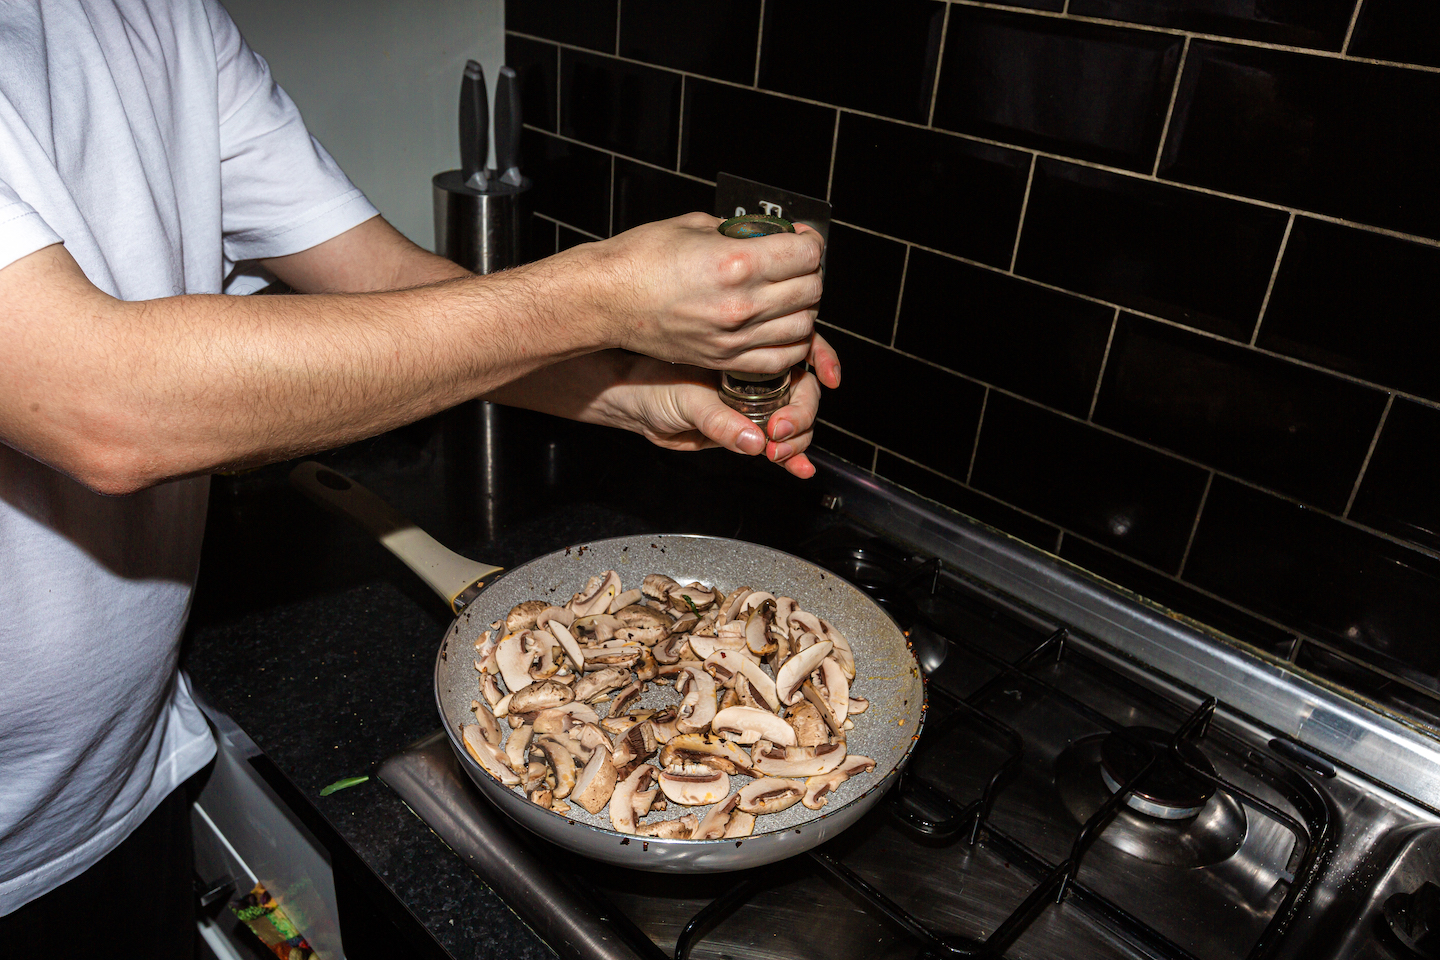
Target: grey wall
<point x="378" y="83"/>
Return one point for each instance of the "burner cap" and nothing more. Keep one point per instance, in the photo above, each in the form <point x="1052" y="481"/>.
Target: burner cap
<point x="1168" y="791"/>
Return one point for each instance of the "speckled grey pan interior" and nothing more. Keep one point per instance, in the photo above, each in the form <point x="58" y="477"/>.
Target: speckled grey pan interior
<point x="886" y="674"/>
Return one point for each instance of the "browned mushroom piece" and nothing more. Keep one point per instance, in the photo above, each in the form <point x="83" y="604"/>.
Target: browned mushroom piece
<point x="726" y="665"/>
<point x="596" y="595"/>
<point x="489" y="726"/>
<point x="712" y="825"/>
<point x="693" y="596"/>
<point x="818" y="788"/>
<point x="697" y="709"/>
<point x="758" y="629"/>
<point x="561" y="761"/>
<point x="770" y="795"/>
<point x="485" y="753"/>
<point x="568" y="643"/>
<point x="810" y="727"/>
<point x="634" y="747"/>
<point x="490" y="688"/>
<point x="748" y="725"/>
<point x="679" y="829"/>
<point x="776" y="761"/>
<point x="647" y="668"/>
<point x="707" y="749"/>
<point x="694" y="784"/>
<point x="625" y="698"/>
<point x="618" y="725"/>
<point x="562" y="718"/>
<point x="646" y="624"/>
<point x="858" y="705"/>
<point x="522" y="615"/>
<point x="797" y="669"/>
<point x="541" y="795"/>
<point x="542" y="695"/>
<point x="594" y="685"/>
<point x="665" y="724"/>
<point x="657" y="586"/>
<point x="741" y="824"/>
<point x="622" y="801"/>
<point x="596" y="783"/>
<point x="672" y="649"/>
<point x="517" y="748"/>
<point x="730" y="698"/>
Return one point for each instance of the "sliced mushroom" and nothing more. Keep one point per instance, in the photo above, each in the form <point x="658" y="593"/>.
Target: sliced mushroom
<point x="514" y="661"/>
<point x="646" y="624"/>
<point x="549" y="655"/>
<point x="775" y="761"/>
<point x="810" y="727"/>
<point x="679" y="829"/>
<point x="694" y="784"/>
<point x="692" y="596"/>
<point x="553" y="614"/>
<point x="622" y="801"/>
<point x="647" y="668"/>
<point x="517" y="748"/>
<point x="729" y="604"/>
<point x="622" y="724"/>
<point x="600" y="682"/>
<point x="705" y="646"/>
<point x="842" y="652"/>
<point x="770" y="795"/>
<point x="634" y="748"/>
<point x="522" y="615"/>
<point x="822" y="707"/>
<point x="625" y="599"/>
<point x="596" y="595"/>
<point x="491" y="760"/>
<point x="561" y="761"/>
<point x="858" y="705"/>
<point x="673" y="649"/>
<point x="543" y="695"/>
<point x="666" y="724"/>
<point x="626" y="698"/>
<point x="698" y="708"/>
<point x="712" y="827"/>
<point x="489" y="726"/>
<point x="657" y="586"/>
<point x="793" y="672"/>
<point x="562" y="718"/>
<point x="596" y="783"/>
<point x="741" y="824"/>
<point x="490" y="688"/>
<point x="748" y="725"/>
<point x="835" y="688"/>
<point x="818" y="788"/>
<point x="757" y="629"/>
<point x="707" y="749"/>
<point x="733" y="663"/>
<point x="567" y="641"/>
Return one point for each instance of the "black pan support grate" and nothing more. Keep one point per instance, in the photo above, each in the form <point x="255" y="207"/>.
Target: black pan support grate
<point x="925" y="808"/>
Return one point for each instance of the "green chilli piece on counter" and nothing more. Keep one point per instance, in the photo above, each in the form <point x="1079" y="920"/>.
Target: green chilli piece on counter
<point x="342" y="785"/>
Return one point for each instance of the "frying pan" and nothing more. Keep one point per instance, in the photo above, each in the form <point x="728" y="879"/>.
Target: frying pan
<point x="886" y="672"/>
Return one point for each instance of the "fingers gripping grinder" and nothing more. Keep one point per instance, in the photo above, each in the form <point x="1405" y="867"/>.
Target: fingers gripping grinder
<point x="757" y="395"/>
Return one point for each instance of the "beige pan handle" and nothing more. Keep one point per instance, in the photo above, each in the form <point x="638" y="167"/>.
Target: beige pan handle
<point x="457" y="579"/>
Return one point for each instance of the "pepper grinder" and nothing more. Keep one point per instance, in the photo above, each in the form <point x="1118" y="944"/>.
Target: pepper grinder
<point x="757" y="395"/>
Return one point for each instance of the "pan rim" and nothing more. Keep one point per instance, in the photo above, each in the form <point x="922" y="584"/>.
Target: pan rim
<point x="472" y="768"/>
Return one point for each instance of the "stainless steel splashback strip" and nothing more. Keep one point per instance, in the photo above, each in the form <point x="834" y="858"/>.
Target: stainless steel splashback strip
<point x="1376" y="744"/>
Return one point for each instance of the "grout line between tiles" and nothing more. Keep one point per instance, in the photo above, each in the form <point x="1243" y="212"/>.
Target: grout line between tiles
<point x="619" y="15"/>
<point x="1350" y="30"/>
<point x="1270" y="287"/>
<point x="568" y="226"/>
<point x="611" y="219"/>
<point x="759" y="43"/>
<point x="558" y="86"/>
<point x="680" y="128"/>
<point x="1169" y="110"/>
<point x="900" y="300"/>
<point x="979" y="425"/>
<point x="940" y="65"/>
<point x="834" y="152"/>
<point x="1199" y="512"/>
<point x="1365" y="464"/>
<point x="1104" y="361"/>
<point x="1024" y="205"/>
<point x="1059" y="536"/>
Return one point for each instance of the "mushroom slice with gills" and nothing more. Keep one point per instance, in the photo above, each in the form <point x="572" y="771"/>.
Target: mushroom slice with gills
<point x="562" y="718"/>
<point x="858" y="705"/>
<point x="729" y="604"/>
<point x="745" y="695"/>
<point x="679" y="829"/>
<point x="736" y="663"/>
<point x="553" y="614"/>
<point x="645" y="624"/>
<point x="748" y="725"/>
<point x="776" y="761"/>
<point x="647" y="668"/>
<point x="705" y="647"/>
<point x="626" y="698"/>
<point x="514" y="660"/>
<point x="685" y="622"/>
<point x="672" y="649"/>
<point x="489" y="726"/>
<point x="596" y="783"/>
<point x="517" y="748"/>
<point x="770" y="795"/>
<point x="730" y="698"/>
<point x="561" y="761"/>
<point x="599" y="627"/>
<point x="835" y="687"/>
<point x="819" y="787"/>
<point x="752" y="600"/>
<point x="543" y="695"/>
<point x="621" y="724"/>
<point x="624" y="599"/>
<point x="591" y="737"/>
<point x="817" y="699"/>
<point x="596" y="595"/>
<point x="810" y="727"/>
<point x="757" y="629"/>
<point x="485" y="653"/>
<point x="797" y="669"/>
<point x="634" y="748"/>
<point x="568" y="643"/>
<point x="698" y="708"/>
<point x="594" y="685"/>
<point x="491" y="689"/>
<point x="841" y="652"/>
<point x="522" y="615"/>
<point x="692" y="596"/>
<point x="741" y="824"/>
<point x="694" y="784"/>
<point x="784" y="607"/>
<point x="550" y="655"/>
<point x="485" y="753"/>
<point x="712" y="825"/>
<point x="666" y="724"/>
<point x="657" y="586"/>
<point x="622" y="801"/>
<point x="707" y="749"/>
<point x="541" y="795"/>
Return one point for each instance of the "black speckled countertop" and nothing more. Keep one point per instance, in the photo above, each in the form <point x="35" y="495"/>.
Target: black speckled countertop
<point x="321" y="645"/>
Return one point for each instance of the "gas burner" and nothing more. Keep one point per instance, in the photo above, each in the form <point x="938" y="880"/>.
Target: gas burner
<point x="1207" y="836"/>
<point x="1168" y="791"/>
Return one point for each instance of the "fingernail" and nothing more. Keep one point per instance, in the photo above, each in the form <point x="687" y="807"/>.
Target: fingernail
<point x="752" y="441"/>
<point x="782" y="451"/>
<point x="836" y="370"/>
<point x="782" y="430"/>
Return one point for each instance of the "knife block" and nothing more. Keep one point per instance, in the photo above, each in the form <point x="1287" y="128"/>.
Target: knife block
<point x="482" y="230"/>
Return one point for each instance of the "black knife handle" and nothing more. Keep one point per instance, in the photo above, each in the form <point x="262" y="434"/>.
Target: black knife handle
<point x="507" y="122"/>
<point x="474" y="120"/>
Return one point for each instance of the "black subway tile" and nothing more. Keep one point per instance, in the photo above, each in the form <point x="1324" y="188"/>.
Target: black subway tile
<point x="849" y="53"/>
<point x="862" y="282"/>
<point x="1266" y="420"/>
<point x="620" y="106"/>
<point x="537" y="69"/>
<point x="1176" y="596"/>
<point x="972" y="503"/>
<point x="1008" y="332"/>
<point x="714" y="37"/>
<point x="1359" y="302"/>
<point x="1398" y="494"/>
<point x="1318" y="575"/>
<point x="643" y="194"/>
<point x="565" y="238"/>
<point x="1106" y="488"/>
<point x="1194" y="258"/>
<point x="1093" y="92"/>
<point x="904" y="405"/>
<point x="857" y="451"/>
<point x="1406" y="31"/>
<point x="572" y="182"/>
<point x="539" y="240"/>
<point x="1339" y="668"/>
<point x="758" y="136"/>
<point x="1338" y="137"/>
<point x="930" y="188"/>
<point x="581" y="23"/>
<point x="1296" y="23"/>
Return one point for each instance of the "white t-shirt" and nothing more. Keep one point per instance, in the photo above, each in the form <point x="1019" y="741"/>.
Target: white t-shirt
<point x="151" y="141"/>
